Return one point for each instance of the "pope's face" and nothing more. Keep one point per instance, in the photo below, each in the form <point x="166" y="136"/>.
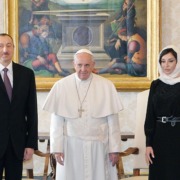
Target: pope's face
<point x="83" y="65"/>
<point x="6" y="50"/>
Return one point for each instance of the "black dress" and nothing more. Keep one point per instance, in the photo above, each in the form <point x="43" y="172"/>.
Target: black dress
<point x="164" y="138"/>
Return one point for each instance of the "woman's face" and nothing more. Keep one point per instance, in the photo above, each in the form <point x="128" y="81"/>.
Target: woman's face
<point x="168" y="63"/>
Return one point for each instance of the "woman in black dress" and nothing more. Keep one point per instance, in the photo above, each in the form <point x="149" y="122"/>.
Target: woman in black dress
<point x="162" y="124"/>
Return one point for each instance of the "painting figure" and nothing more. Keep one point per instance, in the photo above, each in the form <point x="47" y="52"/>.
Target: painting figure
<point x="39" y="41"/>
<point x="117" y="50"/>
<point x="128" y="55"/>
<point x="137" y="52"/>
<point x="38" y="5"/>
<point x="125" y="17"/>
<point x="36" y="53"/>
<point x="124" y="41"/>
<point x="51" y="32"/>
<point x="126" y="46"/>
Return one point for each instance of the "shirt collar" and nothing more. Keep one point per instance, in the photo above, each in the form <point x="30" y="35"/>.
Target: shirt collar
<point x="9" y="67"/>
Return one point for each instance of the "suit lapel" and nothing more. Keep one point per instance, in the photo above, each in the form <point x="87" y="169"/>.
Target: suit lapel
<point x="15" y="79"/>
<point x="2" y="86"/>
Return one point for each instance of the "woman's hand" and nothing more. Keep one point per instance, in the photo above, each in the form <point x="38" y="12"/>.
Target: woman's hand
<point x="149" y="155"/>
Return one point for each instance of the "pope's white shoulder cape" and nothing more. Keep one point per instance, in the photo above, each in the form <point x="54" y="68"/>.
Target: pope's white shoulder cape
<point x="63" y="99"/>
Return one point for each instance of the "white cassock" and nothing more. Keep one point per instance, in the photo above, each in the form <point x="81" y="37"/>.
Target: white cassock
<point x="85" y="141"/>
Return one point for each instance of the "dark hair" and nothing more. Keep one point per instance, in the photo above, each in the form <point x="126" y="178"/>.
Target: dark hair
<point x="5" y="34"/>
<point x="166" y="51"/>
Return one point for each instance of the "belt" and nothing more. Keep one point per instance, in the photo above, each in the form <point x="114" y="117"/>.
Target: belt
<point x="170" y="119"/>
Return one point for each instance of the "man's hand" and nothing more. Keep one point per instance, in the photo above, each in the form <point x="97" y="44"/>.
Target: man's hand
<point x="28" y="152"/>
<point x="114" y="158"/>
<point x="59" y="158"/>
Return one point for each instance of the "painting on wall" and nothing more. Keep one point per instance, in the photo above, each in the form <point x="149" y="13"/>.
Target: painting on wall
<point x="51" y="31"/>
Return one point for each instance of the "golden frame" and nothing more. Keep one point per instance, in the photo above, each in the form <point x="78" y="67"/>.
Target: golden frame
<point x="121" y="83"/>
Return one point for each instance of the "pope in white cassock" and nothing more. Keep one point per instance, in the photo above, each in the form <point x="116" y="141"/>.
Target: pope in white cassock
<point x="84" y="131"/>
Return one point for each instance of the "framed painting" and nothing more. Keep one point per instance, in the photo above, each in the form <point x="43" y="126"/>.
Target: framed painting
<point x="124" y="36"/>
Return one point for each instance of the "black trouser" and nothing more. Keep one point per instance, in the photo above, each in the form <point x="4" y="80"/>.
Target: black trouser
<point x="10" y="164"/>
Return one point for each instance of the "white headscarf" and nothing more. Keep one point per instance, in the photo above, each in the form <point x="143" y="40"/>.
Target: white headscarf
<point x="174" y="77"/>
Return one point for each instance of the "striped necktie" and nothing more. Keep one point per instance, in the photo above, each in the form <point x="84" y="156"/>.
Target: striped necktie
<point x="7" y="84"/>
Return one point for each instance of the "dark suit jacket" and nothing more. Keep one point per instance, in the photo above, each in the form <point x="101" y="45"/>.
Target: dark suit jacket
<point x="18" y="118"/>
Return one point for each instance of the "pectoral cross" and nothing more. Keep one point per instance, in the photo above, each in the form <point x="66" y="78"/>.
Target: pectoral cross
<point x="80" y="110"/>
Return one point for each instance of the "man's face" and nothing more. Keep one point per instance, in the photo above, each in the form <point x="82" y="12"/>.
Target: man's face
<point x="84" y="65"/>
<point x="6" y="50"/>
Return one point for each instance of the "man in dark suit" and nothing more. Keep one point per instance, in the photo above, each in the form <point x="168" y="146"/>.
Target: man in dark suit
<point x="18" y="113"/>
